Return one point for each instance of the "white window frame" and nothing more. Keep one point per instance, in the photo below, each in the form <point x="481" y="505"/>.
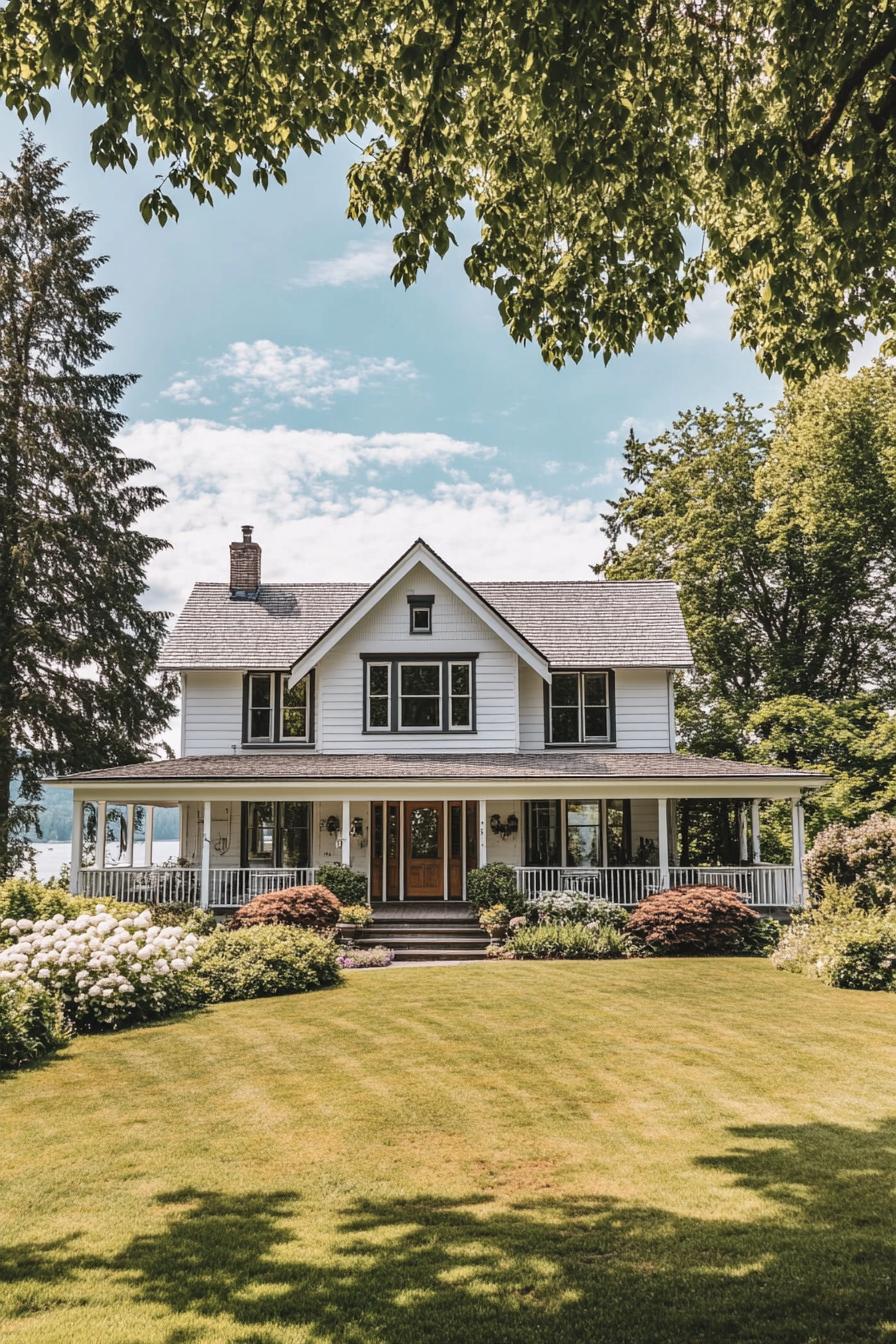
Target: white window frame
<point x="581" y="675"/>
<point x="284" y="687"/>
<point x="379" y="728"/>
<point x="411" y="728"/>
<point x="468" y="726"/>
<point x="269" y="707"/>
<point x="426" y="608"/>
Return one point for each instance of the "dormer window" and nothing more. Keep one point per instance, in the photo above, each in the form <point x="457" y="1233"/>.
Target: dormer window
<point x="580" y="709"/>
<point x="421" y="614"/>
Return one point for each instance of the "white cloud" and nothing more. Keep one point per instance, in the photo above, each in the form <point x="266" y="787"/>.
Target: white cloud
<point x="644" y="429"/>
<point x="709" y="318"/>
<point x="360" y="264"/>
<point x="296" y="374"/>
<point x="864" y="352"/>
<point x="318" y="516"/>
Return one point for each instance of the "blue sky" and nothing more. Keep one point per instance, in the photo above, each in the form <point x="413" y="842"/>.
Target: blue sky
<point x="286" y="383"/>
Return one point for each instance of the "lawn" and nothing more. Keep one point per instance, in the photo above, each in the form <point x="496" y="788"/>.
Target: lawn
<point x="627" y="1152"/>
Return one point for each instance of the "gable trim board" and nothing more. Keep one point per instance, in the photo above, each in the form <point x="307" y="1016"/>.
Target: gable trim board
<point x="419" y="553"/>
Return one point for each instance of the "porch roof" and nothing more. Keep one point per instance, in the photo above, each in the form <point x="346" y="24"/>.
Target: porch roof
<point x="283" y="767"/>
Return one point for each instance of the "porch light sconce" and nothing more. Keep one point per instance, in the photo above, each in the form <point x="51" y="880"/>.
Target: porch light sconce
<point x="331" y="824"/>
<point x="504" y="828"/>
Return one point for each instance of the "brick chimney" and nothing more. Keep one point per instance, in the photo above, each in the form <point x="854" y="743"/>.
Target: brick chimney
<point x="245" y="567"/>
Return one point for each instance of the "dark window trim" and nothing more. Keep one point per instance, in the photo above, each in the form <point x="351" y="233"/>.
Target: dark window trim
<point x="592" y="744"/>
<point x="414" y="601"/>
<point x="277" y="853"/>
<point x="411" y="657"/>
<point x="277" y="742"/>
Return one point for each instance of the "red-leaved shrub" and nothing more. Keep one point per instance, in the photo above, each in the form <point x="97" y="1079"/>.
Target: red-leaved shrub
<point x="693" y="921"/>
<point x="308" y="907"/>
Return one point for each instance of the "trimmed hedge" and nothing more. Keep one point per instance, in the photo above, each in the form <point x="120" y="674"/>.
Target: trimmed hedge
<point x="261" y="961"/>
<point x="694" y="921"/>
<point x="346" y="885"/>
<point x="304" y="907"/>
<point x="494" y="884"/>
<point x="31" y="1023"/>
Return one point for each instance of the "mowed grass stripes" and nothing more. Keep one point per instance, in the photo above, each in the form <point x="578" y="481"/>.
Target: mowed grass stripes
<point x="640" y="1151"/>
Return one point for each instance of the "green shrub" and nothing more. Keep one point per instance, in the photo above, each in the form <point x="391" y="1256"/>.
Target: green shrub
<point x="495" y="919"/>
<point x="694" y="921"/>
<point x="259" y="961"/>
<point x="358" y="958"/>
<point x="566" y="942"/>
<point x="183" y="914"/>
<point x="22" y="898"/>
<point x="574" y="907"/>
<point x="312" y="907"/>
<point x="860" y="857"/>
<point x="346" y="885"/>
<point x="494" y="884"/>
<point x="841" y="943"/>
<point x="31" y="1023"/>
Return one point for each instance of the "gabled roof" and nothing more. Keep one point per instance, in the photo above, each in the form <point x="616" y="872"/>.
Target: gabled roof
<point x="420" y="554"/>
<point x="580" y="623"/>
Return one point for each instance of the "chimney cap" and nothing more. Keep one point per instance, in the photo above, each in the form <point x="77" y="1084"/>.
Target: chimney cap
<point x="247" y="531"/>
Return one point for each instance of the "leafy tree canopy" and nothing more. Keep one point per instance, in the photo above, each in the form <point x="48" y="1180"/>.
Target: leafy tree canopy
<point x="781" y="534"/>
<point x="617" y="156"/>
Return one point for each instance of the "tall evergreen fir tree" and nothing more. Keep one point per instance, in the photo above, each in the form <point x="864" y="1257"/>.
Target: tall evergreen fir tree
<point x="77" y="647"/>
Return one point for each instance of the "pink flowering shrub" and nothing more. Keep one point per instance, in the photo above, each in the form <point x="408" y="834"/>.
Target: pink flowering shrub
<point x="862" y="858"/>
<point x="107" y="971"/>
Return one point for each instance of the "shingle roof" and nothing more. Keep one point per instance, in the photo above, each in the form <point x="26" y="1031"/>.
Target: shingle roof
<point x="454" y="765"/>
<point x="573" y="624"/>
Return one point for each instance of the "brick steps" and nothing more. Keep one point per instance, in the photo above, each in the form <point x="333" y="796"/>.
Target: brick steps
<point x="425" y="931"/>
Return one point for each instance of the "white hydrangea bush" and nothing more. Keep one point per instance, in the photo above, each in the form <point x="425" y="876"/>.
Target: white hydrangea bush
<point x="107" y="970"/>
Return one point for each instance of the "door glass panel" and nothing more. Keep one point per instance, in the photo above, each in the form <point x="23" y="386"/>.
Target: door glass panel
<point x="583" y="835"/>
<point x="424" y="833"/>
<point x="455" y="838"/>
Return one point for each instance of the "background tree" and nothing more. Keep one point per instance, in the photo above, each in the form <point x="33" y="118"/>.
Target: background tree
<point x="78" y="649"/>
<point x="617" y="155"/>
<point x="781" y="535"/>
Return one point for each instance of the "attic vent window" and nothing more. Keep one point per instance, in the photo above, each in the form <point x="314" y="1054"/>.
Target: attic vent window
<point x="421" y="614"/>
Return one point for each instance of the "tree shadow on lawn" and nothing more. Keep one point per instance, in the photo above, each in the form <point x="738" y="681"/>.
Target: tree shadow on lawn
<point x="818" y="1265"/>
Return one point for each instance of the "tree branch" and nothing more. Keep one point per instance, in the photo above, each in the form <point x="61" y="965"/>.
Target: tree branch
<point x="813" y="144"/>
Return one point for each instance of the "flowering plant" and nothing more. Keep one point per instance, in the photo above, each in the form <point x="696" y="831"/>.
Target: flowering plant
<point x="362" y="957"/>
<point x="359" y="915"/>
<point x="106" y="970"/>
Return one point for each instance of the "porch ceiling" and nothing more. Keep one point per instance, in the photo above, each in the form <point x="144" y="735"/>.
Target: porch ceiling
<point x="421" y="775"/>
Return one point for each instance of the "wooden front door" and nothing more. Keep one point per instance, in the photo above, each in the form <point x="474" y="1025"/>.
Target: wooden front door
<point x="424" y="851"/>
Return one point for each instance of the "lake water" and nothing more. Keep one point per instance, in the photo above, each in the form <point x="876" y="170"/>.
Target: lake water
<point x="50" y="857"/>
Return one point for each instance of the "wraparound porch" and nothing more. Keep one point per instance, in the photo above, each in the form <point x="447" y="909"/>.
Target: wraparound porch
<point x="620" y="850"/>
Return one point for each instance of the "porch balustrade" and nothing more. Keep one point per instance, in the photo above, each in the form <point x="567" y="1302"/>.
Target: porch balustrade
<point x="762" y="885"/>
<point x="153" y="886"/>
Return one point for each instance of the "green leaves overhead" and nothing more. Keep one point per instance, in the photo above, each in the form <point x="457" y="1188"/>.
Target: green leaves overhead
<point x="616" y="156"/>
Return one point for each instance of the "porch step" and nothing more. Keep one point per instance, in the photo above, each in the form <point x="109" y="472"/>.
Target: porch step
<point x="425" y="931"/>
<point x="415" y="911"/>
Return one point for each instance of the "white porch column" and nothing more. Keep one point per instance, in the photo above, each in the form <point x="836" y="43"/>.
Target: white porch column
<point x="483" y="834"/>
<point x="205" y="855"/>
<point x="149" y="821"/>
<point x="754" y="831"/>
<point x="662" y="821"/>
<point x="345" y="839"/>
<point x="796" y="832"/>
<point x="74" y="872"/>
<point x="743" y="844"/>
<point x="100" y="856"/>
<point x="130" y="813"/>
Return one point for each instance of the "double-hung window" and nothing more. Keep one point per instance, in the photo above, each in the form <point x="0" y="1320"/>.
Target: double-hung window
<point x="580" y="707"/>
<point x="261" y="707"/>
<point x="379" y="718"/>
<point x="460" y="693"/>
<point x="294" y="711"/>
<point x="420" y="695"/>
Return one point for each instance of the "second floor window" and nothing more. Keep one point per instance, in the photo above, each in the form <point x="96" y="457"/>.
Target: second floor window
<point x="261" y="707"/>
<point x="580" y="707"/>
<point x="420" y="695"/>
<point x="294" y="710"/>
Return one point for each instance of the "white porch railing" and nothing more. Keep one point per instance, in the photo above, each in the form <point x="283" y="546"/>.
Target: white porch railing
<point x="153" y="886"/>
<point x="765" y="884"/>
<point x="236" y="886"/>
<point x="620" y="886"/>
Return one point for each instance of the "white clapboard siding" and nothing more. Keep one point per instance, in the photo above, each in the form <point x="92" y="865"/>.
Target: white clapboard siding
<point x="385" y="630"/>
<point x="213" y="713"/>
<point x="531" y="709"/>
<point x="642" y="709"/>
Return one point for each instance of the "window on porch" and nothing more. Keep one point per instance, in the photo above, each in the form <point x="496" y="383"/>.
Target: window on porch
<point x="277" y="835"/>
